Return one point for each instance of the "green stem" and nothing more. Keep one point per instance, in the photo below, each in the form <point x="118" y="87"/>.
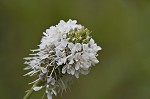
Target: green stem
<point x="29" y="93"/>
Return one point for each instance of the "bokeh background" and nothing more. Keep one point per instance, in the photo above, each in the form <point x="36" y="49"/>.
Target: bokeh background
<point x="120" y="27"/>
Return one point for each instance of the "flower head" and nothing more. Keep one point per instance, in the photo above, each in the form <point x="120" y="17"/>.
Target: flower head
<point x="66" y="50"/>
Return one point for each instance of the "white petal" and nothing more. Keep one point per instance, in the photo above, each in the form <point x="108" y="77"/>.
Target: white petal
<point x="60" y="62"/>
<point x="44" y="70"/>
<point x="85" y="47"/>
<point x="49" y="95"/>
<point x="45" y="34"/>
<point x="69" y="71"/>
<point x="71" y="62"/>
<point x="44" y="56"/>
<point x="85" y="72"/>
<point x="78" y="47"/>
<point x="94" y="60"/>
<point x="77" y="74"/>
<point x="58" y="53"/>
<point x="77" y="66"/>
<point x="52" y="81"/>
<point x="27" y="68"/>
<point x="64" y="69"/>
<point x="37" y="88"/>
<point x="91" y="41"/>
<point x="72" y="71"/>
<point x="70" y="45"/>
<point x="99" y="48"/>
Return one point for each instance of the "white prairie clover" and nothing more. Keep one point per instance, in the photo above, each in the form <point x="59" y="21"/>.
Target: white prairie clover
<point x="66" y="51"/>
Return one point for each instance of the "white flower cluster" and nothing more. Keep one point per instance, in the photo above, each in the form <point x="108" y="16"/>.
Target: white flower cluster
<point x="66" y="50"/>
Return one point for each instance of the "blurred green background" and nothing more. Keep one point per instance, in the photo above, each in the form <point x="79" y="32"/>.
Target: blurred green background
<point x="120" y="27"/>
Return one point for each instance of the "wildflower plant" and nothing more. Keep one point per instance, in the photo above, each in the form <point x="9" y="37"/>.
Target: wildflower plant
<point x="66" y="51"/>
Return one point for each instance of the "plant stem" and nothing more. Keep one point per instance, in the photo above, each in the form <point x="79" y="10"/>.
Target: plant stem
<point x="29" y="93"/>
